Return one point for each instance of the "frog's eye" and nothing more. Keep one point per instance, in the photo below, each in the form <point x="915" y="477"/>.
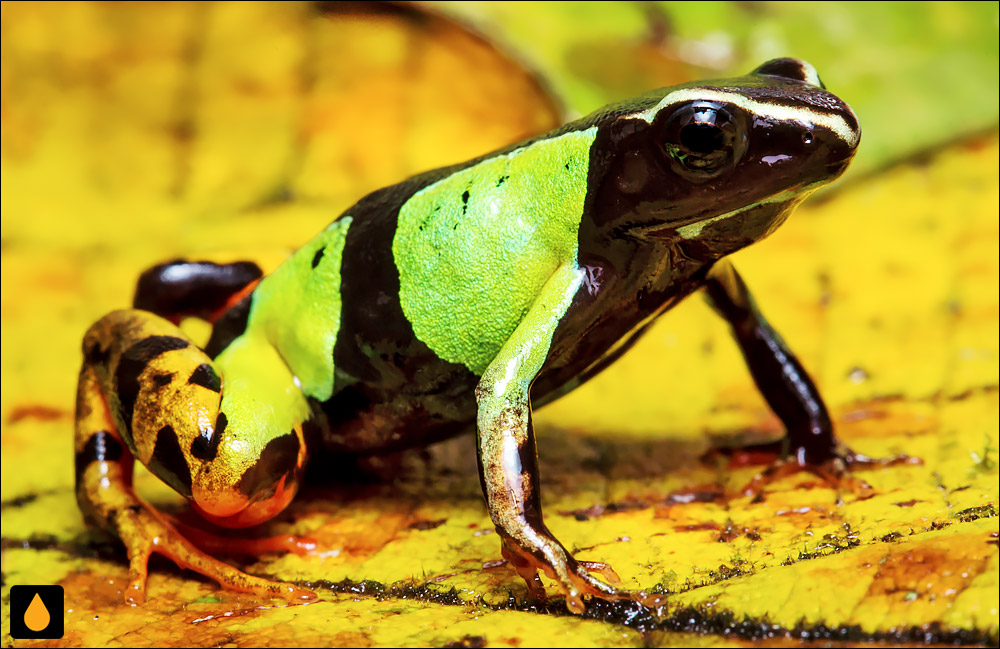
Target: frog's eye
<point x="702" y="140"/>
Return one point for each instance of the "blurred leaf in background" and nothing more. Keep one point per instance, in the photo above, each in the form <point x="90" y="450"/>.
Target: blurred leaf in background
<point x="918" y="74"/>
<point x="134" y="133"/>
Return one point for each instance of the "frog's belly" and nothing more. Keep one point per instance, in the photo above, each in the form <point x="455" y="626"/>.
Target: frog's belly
<point x="423" y="399"/>
<point x="585" y="347"/>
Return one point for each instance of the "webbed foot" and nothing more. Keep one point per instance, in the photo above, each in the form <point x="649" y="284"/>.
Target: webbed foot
<point x="573" y="578"/>
<point x="834" y="468"/>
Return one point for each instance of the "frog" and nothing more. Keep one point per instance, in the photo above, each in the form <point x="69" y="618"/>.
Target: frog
<point x="453" y="303"/>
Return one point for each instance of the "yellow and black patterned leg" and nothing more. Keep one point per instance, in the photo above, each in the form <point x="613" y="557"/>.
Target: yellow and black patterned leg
<point x="127" y="354"/>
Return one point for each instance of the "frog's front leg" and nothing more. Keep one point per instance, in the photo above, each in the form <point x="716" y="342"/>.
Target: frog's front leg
<point x="810" y="443"/>
<point x="147" y="392"/>
<point x="508" y="462"/>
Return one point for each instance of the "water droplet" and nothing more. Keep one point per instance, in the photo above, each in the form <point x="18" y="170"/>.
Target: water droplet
<point x="37" y="616"/>
<point x="858" y="375"/>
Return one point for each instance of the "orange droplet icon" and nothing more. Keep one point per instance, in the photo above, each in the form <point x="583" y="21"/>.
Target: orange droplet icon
<point x="36" y="617"/>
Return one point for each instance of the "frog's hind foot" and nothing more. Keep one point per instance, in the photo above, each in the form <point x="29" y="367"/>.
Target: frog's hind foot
<point x="106" y="494"/>
<point x="144" y="532"/>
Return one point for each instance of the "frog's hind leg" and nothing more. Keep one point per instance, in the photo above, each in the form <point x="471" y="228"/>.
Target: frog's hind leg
<point x="128" y="357"/>
<point x="810" y="444"/>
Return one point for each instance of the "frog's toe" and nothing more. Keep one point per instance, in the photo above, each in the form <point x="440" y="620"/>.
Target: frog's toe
<point x="836" y="472"/>
<point x="853" y="460"/>
<point x="588" y="586"/>
<point x="603" y="569"/>
<point x="135" y="592"/>
<point x="584" y="585"/>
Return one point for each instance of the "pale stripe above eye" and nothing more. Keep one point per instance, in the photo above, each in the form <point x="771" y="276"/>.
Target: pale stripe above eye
<point x="832" y="121"/>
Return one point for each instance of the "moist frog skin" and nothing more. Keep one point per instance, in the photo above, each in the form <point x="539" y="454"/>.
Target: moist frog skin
<point x="454" y="302"/>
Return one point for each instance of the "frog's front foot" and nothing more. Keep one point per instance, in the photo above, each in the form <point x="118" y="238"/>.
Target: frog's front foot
<point x="572" y="578"/>
<point x="834" y="467"/>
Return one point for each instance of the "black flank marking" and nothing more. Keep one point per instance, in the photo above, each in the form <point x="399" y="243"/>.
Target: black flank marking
<point x="502" y="180"/>
<point x="206" y="446"/>
<point x="278" y="458"/>
<point x="205" y="376"/>
<point x="168" y="462"/>
<point x="101" y="447"/>
<point x="317" y="257"/>
<point x="465" y="201"/>
<point x="96" y="355"/>
<point x="130" y="366"/>
<point x="162" y="379"/>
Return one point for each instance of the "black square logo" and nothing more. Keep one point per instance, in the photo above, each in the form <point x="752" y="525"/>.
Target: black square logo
<point x="36" y="612"/>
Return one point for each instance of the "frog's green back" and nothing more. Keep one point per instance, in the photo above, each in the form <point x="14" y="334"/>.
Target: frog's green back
<point x="474" y="249"/>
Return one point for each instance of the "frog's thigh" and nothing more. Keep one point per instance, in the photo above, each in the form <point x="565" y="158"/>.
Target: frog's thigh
<point x="193" y="288"/>
<point x="137" y="370"/>
<point x="778" y="374"/>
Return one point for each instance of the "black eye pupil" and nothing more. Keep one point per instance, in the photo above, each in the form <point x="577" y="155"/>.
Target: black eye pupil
<point x="702" y="138"/>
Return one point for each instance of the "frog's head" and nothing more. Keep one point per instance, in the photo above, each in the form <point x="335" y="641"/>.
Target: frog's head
<point x="720" y="165"/>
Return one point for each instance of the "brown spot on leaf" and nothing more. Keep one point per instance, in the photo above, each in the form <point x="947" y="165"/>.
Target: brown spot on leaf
<point x="39" y="412"/>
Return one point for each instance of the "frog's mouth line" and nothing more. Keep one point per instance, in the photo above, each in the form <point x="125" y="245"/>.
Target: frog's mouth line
<point x="691" y="228"/>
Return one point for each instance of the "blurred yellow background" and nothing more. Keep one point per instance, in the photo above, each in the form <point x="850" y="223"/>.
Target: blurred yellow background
<point x="139" y="132"/>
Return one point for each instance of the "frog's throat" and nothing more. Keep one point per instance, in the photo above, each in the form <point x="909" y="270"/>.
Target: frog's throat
<point x="829" y="120"/>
